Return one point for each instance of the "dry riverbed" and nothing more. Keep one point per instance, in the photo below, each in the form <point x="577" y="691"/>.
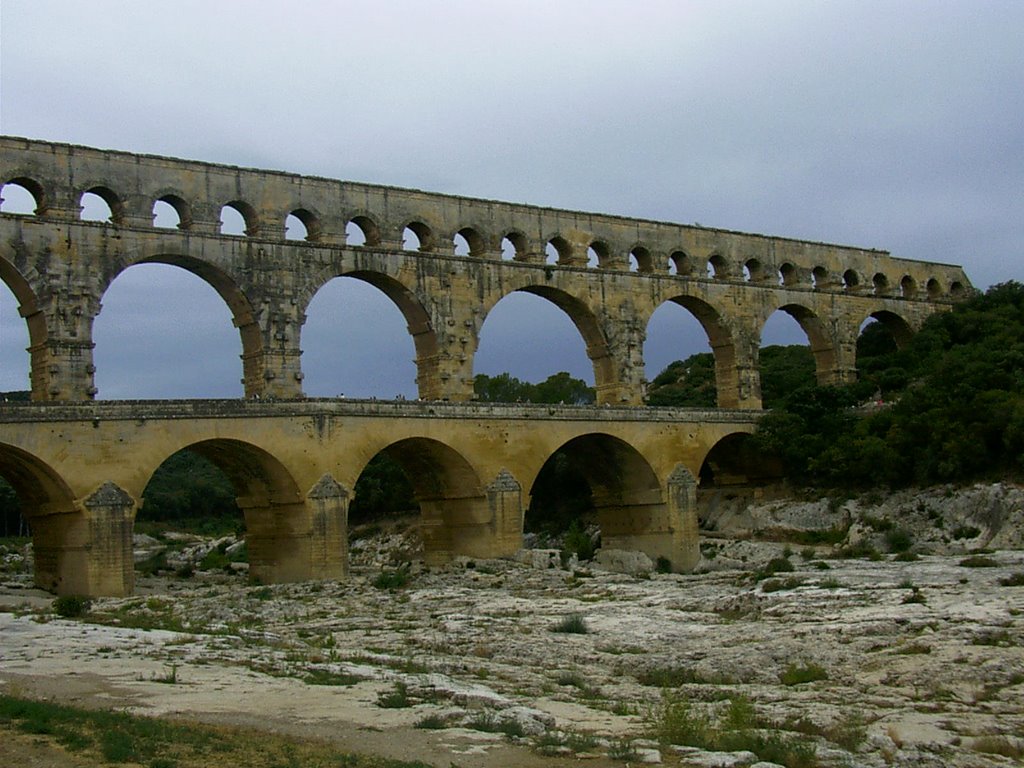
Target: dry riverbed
<point x="844" y="662"/>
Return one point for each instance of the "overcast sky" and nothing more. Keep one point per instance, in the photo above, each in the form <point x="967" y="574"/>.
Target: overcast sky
<point x="893" y="125"/>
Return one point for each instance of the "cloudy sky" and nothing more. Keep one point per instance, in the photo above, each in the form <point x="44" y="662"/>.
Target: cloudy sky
<point x="894" y="125"/>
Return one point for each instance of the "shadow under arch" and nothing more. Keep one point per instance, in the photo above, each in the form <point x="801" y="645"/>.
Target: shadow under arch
<point x="734" y="473"/>
<point x="456" y="518"/>
<point x="242" y="314"/>
<point x="418" y="323"/>
<point x="723" y="347"/>
<point x="57" y="524"/>
<point x="606" y="381"/>
<point x="626" y="498"/>
<point x="35" y="320"/>
<point x="277" y="521"/>
<point x="821" y="345"/>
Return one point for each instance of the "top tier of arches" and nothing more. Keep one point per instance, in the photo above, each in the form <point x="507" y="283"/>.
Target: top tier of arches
<point x="142" y="191"/>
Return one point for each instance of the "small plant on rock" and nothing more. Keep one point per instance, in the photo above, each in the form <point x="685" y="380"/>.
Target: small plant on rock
<point x="797" y="674"/>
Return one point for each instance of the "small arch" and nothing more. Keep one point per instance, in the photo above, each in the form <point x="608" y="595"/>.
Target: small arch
<point x="597" y="254"/>
<point x="22" y="196"/>
<point x="908" y="287"/>
<point x="753" y="271"/>
<point x="238" y="218"/>
<point x="362" y="230"/>
<point x="934" y="288"/>
<point x="680" y="264"/>
<point x="101" y="204"/>
<point x="171" y="212"/>
<point x="301" y="224"/>
<point x="718" y="267"/>
<point x="417" y="236"/>
<point x="640" y="260"/>
<point x="851" y="280"/>
<point x="514" y="246"/>
<point x="558" y="251"/>
<point x="788" y="275"/>
<point x="957" y="289"/>
<point x="820" y="278"/>
<point x="880" y="284"/>
<point x="472" y="243"/>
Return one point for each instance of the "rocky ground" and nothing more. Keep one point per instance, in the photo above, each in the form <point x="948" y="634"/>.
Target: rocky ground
<point x="777" y="651"/>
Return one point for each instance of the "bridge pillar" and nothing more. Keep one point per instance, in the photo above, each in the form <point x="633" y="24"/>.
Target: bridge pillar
<point x="280" y="539"/>
<point x="273" y="368"/>
<point x="658" y="528"/>
<point x="485" y="526"/>
<point x="328" y="506"/>
<point x="623" y="379"/>
<point x="736" y="372"/>
<point x="100" y="560"/>
<point x="843" y="354"/>
<point x="62" y="365"/>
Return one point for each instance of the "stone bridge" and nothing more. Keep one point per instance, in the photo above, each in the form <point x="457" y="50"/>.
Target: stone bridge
<point x="79" y="467"/>
<point x="80" y="470"/>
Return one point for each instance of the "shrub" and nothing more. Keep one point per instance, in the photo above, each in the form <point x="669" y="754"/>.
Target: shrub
<point x="398" y="698"/>
<point x="573" y="624"/>
<point x="978" y="561"/>
<point x="797" y="674"/>
<point x="663" y="565"/>
<point x="577" y="542"/>
<point x="392" y="578"/>
<point x="673" y="721"/>
<point x="431" y="723"/>
<point x="966" y="532"/>
<point x="1014" y="580"/>
<point x="71" y="606"/>
<point x="898" y="540"/>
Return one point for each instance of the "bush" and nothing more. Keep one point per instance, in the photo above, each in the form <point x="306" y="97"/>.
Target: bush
<point x="577" y="542"/>
<point x="573" y="624"/>
<point x="392" y="578"/>
<point x="978" y="561"/>
<point x="1015" y="580"/>
<point x="71" y="606"/>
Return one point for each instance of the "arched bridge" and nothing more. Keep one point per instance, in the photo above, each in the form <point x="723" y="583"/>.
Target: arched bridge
<point x="445" y="261"/>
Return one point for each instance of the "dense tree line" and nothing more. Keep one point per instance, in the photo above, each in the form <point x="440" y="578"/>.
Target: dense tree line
<point x="952" y="406"/>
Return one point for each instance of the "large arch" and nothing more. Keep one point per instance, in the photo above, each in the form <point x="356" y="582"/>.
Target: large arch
<point x="456" y="518"/>
<point x="722" y="344"/>
<point x="631" y="507"/>
<point x="59" y="528"/>
<point x="35" y="321"/>
<point x="417" y="318"/>
<point x="897" y="325"/>
<point x="277" y="521"/>
<point x="821" y="344"/>
<point x="588" y="327"/>
<point x="242" y="313"/>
